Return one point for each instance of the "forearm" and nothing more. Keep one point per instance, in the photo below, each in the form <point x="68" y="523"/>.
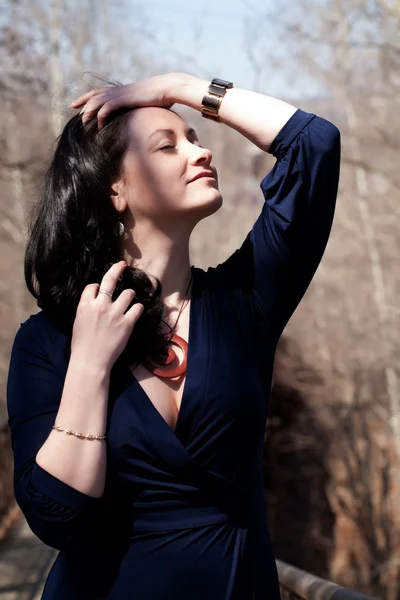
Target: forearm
<point x="256" y="116"/>
<point x="79" y="462"/>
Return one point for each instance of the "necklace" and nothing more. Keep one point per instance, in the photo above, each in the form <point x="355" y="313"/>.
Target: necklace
<point x="174" y="367"/>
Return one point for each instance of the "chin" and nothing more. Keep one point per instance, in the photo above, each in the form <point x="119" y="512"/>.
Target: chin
<point x="209" y="205"/>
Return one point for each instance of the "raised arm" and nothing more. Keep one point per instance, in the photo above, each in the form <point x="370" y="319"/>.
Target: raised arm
<point x="256" y="116"/>
<point x="281" y="253"/>
<point x="279" y="256"/>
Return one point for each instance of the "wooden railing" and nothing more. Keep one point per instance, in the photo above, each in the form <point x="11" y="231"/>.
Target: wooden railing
<point x="296" y="584"/>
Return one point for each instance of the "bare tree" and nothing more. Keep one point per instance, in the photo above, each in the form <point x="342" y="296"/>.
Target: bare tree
<point x="348" y="54"/>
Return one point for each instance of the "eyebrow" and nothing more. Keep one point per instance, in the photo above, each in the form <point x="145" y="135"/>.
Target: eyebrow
<point x="189" y="131"/>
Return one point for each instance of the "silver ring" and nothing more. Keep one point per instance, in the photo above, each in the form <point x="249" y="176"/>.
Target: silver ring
<point x="105" y="292"/>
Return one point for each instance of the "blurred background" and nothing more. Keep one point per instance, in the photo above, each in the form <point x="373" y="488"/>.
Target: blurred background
<point x="332" y="445"/>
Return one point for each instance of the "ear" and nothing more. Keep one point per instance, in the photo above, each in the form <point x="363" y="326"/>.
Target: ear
<point x="117" y="196"/>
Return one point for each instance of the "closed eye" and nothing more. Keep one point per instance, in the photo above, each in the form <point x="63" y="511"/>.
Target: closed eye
<point x="168" y="147"/>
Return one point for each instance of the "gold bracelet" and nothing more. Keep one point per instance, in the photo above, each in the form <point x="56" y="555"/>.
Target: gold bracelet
<point x="89" y="436"/>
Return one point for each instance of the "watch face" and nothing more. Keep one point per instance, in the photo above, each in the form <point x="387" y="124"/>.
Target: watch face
<point x="222" y="82"/>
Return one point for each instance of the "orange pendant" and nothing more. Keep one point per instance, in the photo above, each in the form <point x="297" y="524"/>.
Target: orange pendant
<point x="175" y="368"/>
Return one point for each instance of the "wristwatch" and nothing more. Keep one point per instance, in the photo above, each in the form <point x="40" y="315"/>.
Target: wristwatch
<point x="213" y="98"/>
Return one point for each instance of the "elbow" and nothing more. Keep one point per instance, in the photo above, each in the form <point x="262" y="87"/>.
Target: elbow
<point x="327" y="162"/>
<point x="331" y="139"/>
<point x="326" y="138"/>
<point x="51" y="534"/>
<point x="54" y="524"/>
<point x="335" y="142"/>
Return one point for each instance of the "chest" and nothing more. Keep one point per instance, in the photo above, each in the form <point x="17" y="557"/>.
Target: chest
<point x="214" y="414"/>
<point x="166" y="393"/>
<point x="216" y="410"/>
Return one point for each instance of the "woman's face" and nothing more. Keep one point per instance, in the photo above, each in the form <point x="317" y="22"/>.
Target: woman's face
<point x="162" y="158"/>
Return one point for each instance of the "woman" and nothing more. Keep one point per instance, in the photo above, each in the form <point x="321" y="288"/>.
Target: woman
<point x="166" y="500"/>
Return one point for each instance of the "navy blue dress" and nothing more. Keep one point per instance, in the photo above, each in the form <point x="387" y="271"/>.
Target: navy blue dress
<point x="183" y="513"/>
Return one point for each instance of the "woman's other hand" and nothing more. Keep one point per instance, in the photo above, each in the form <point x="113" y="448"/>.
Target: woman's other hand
<point x="102" y="326"/>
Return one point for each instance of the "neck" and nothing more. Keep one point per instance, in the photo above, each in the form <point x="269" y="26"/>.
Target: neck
<point x="163" y="255"/>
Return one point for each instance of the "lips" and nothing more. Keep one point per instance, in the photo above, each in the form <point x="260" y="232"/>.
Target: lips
<point x="203" y="174"/>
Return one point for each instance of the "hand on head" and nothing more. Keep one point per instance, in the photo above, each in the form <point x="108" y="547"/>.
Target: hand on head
<point x="154" y="91"/>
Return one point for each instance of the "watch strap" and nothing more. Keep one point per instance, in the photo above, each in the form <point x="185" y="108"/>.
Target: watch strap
<point x="211" y="101"/>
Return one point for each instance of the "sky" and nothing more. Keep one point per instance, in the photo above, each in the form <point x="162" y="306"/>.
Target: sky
<point x="221" y="48"/>
<point x="220" y="23"/>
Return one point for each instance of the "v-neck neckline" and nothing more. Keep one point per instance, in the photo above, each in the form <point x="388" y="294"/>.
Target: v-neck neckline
<point x="190" y="343"/>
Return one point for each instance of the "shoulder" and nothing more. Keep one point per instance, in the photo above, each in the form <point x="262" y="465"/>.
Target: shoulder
<point x="208" y="280"/>
<point x="219" y="285"/>
<point x="38" y="332"/>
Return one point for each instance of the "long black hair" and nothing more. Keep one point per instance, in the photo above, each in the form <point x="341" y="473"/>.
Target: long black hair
<point x="71" y="239"/>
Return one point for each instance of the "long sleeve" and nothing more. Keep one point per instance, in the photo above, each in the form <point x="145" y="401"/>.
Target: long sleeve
<point x="278" y="259"/>
<point x="56" y="512"/>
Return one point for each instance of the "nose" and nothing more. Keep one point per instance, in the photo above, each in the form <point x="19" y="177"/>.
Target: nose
<point x="200" y="155"/>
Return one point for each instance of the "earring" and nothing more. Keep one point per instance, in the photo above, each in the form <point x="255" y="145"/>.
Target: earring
<point x="119" y="228"/>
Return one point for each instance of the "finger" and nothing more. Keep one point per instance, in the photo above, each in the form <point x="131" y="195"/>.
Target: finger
<point x="85" y="97"/>
<point x="124" y="300"/>
<point x="93" y="106"/>
<point x="90" y="291"/>
<point x="107" y="109"/>
<point x="87" y="116"/>
<point x="110" y="279"/>
<point x="133" y="314"/>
